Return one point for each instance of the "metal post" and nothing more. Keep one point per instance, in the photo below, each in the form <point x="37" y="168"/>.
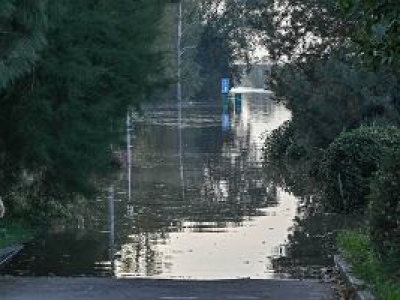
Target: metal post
<point x="178" y="52"/>
<point x="179" y="94"/>
<point x="111" y="225"/>
<point x="129" y="154"/>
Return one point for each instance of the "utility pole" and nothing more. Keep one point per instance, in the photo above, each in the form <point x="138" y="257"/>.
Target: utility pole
<point x="129" y="153"/>
<point x="130" y="208"/>
<point x="179" y="52"/>
<point x="111" y="226"/>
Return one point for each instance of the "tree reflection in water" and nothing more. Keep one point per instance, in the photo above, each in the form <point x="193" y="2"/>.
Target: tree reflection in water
<point x="311" y="244"/>
<point x="223" y="180"/>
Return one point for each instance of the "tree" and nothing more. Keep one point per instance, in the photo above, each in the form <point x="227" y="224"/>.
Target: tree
<point x="22" y="36"/>
<point x="385" y="210"/>
<point x="299" y="31"/>
<point x="317" y="73"/>
<point x="377" y="34"/>
<point x="61" y="119"/>
<point x="226" y="41"/>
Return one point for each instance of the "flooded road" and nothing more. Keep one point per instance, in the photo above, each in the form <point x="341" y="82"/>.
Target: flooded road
<point x="218" y="219"/>
<point x="199" y="210"/>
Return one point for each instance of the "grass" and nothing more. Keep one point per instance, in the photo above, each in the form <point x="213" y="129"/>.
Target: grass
<point x="357" y="249"/>
<point x="14" y="232"/>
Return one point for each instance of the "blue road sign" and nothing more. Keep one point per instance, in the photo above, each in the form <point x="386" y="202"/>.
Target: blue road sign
<point x="225" y="86"/>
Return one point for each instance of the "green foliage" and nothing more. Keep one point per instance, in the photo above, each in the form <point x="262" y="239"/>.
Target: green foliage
<point x="214" y="58"/>
<point x="291" y="166"/>
<point x="224" y="41"/>
<point x="350" y="162"/>
<point x="377" y="31"/>
<point x="279" y="141"/>
<point x="334" y="95"/>
<point x="57" y="121"/>
<point x="357" y="246"/>
<point x="22" y="37"/>
<point x="300" y="30"/>
<point x="14" y="232"/>
<point x="317" y="73"/>
<point x="385" y="209"/>
<point x="358" y="250"/>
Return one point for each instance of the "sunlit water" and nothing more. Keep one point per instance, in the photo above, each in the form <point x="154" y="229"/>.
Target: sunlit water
<point x="227" y="222"/>
<point x="221" y="219"/>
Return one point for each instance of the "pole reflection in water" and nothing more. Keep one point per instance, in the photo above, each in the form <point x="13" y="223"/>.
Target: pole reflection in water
<point x="130" y="207"/>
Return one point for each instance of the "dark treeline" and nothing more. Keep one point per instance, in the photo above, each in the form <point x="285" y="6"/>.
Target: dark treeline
<point x="337" y="69"/>
<point x="69" y="71"/>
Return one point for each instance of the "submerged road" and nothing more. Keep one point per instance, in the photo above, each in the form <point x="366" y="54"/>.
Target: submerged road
<point x="49" y="288"/>
<point x="230" y="222"/>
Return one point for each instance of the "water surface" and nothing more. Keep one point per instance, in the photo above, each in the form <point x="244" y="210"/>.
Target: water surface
<point x="201" y="206"/>
<point x="219" y="219"/>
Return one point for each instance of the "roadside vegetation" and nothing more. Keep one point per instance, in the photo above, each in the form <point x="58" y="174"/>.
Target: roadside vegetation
<point x="357" y="248"/>
<point x="337" y="70"/>
<point x="14" y="232"/>
<point x="69" y="72"/>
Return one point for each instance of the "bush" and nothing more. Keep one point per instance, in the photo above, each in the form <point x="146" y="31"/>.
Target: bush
<point x="278" y="143"/>
<point x="349" y="163"/>
<point x="14" y="232"/>
<point x="385" y="209"/>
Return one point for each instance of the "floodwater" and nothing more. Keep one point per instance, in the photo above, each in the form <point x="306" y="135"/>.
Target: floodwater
<point x="213" y="216"/>
<point x="201" y="206"/>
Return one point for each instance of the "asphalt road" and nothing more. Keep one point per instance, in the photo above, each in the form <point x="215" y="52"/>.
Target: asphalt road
<point x="17" y="288"/>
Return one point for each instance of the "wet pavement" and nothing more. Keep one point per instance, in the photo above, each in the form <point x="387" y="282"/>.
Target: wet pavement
<point x="12" y="288"/>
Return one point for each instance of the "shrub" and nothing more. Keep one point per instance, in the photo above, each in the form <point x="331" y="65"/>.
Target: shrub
<point x="349" y="163"/>
<point x="279" y="141"/>
<point x="385" y="209"/>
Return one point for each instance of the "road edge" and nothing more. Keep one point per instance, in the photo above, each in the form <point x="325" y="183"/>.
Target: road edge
<point x="7" y="253"/>
<point x="359" y="287"/>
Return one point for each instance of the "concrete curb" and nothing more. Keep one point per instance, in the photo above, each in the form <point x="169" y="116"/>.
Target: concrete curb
<point x="359" y="286"/>
<point x="9" y="252"/>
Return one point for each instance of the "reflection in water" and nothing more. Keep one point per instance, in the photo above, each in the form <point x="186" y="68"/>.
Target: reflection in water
<point x="311" y="243"/>
<point x="220" y="249"/>
<point x="230" y="223"/>
<point x="67" y="254"/>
